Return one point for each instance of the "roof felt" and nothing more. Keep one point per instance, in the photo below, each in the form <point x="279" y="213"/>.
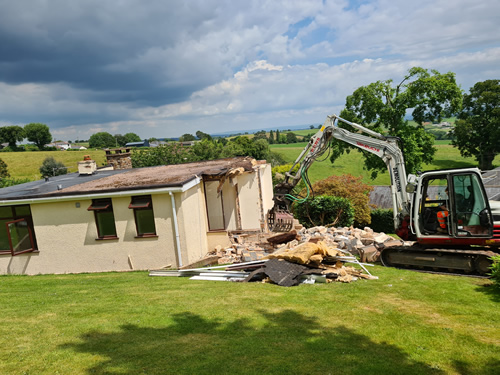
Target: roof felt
<point x="125" y="179"/>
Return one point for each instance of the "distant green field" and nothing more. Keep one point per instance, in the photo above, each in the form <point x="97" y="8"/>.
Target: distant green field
<point x="446" y="156"/>
<point x="26" y="164"/>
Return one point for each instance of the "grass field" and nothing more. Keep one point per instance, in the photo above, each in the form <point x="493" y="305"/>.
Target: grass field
<point x="446" y="156"/>
<point x="128" y="323"/>
<point x="26" y="164"/>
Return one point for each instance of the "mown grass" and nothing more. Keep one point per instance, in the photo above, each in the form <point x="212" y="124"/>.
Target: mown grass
<point x="129" y="323"/>
<point x="26" y="164"/>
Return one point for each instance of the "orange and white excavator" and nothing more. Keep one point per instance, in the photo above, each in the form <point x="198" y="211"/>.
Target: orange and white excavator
<point x="461" y="240"/>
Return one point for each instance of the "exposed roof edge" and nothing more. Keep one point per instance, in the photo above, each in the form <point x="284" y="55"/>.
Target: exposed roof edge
<point x="106" y="194"/>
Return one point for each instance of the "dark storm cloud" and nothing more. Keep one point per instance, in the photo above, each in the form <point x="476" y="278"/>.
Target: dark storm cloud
<point x="105" y="48"/>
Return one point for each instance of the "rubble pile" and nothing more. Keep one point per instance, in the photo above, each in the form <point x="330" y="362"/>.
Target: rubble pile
<point x="363" y="243"/>
<point x="318" y="254"/>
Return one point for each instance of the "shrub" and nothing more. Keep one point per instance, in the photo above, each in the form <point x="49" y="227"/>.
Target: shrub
<point x="279" y="171"/>
<point x="5" y="182"/>
<point x="173" y="153"/>
<point x="324" y="210"/>
<point x="382" y="220"/>
<point x="3" y="169"/>
<point x="51" y="167"/>
<point x="495" y="270"/>
<point x="352" y="188"/>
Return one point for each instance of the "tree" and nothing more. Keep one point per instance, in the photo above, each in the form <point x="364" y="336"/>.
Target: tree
<point x="202" y="135"/>
<point x="207" y="149"/>
<point x="102" y="140"/>
<point x="51" y="167"/>
<point x="162" y="155"/>
<point x="477" y="130"/>
<point x="38" y="133"/>
<point x="12" y="134"/>
<point x="271" y="137"/>
<point x="277" y="136"/>
<point x="120" y="140"/>
<point x="186" y="137"/>
<point x="132" y="137"/>
<point x="291" y="137"/>
<point x="382" y="107"/>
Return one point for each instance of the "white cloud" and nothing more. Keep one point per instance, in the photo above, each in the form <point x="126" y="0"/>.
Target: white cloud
<point x="162" y="69"/>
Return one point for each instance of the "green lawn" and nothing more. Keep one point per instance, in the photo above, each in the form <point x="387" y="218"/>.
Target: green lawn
<point x="128" y="323"/>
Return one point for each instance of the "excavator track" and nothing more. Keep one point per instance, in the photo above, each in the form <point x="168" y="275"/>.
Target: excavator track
<point x="466" y="262"/>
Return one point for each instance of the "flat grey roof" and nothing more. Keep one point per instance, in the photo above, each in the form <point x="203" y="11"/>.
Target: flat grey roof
<point x="175" y="175"/>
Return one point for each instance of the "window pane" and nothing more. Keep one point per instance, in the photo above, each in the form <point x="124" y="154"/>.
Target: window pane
<point x="22" y="211"/>
<point x="145" y="222"/>
<point x="140" y="202"/>
<point x="20" y="237"/>
<point x="105" y="223"/>
<point x="4" y="239"/>
<point x="6" y="212"/>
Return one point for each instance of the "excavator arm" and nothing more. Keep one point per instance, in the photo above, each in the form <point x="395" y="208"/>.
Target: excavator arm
<point x="387" y="148"/>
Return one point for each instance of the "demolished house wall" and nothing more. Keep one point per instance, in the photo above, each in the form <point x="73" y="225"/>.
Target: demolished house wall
<point x="255" y="197"/>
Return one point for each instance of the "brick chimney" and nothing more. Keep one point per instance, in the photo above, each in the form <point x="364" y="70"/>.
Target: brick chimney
<point x="119" y="158"/>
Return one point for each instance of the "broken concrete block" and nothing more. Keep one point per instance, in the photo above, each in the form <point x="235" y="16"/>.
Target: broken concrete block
<point x="369" y="254"/>
<point x="367" y="241"/>
<point x="282" y="238"/>
<point x="381" y="238"/>
<point x="392" y="243"/>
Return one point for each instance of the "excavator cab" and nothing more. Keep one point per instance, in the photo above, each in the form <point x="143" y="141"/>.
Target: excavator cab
<point x="452" y="204"/>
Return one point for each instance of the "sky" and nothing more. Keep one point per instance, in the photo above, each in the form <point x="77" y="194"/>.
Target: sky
<point x="163" y="68"/>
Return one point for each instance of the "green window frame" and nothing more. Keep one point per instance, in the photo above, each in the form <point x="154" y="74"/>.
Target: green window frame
<point x="143" y="215"/>
<point x="104" y="218"/>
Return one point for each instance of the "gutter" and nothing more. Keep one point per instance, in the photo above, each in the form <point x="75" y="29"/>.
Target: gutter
<point x="65" y="198"/>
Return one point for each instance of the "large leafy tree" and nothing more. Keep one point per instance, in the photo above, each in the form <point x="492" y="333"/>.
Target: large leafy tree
<point x="201" y="135"/>
<point x="477" y="129"/>
<point x="12" y="134"/>
<point x="102" y="140"/>
<point x="132" y="137"/>
<point x="38" y="133"/>
<point x="186" y="137"/>
<point x="382" y="106"/>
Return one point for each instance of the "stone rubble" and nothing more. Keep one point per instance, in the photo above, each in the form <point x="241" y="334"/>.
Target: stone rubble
<point x="364" y="243"/>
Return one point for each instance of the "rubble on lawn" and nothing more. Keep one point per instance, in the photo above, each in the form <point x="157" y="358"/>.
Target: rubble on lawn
<point x="318" y="254"/>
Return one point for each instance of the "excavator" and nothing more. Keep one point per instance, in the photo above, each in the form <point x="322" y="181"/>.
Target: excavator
<point x="445" y="213"/>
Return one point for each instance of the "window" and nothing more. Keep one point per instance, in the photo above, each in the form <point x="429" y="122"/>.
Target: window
<point x="17" y="235"/>
<point x="144" y="216"/>
<point x="104" y="218"/>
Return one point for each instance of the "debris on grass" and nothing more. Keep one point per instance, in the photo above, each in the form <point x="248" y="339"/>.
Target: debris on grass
<point x="314" y="255"/>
